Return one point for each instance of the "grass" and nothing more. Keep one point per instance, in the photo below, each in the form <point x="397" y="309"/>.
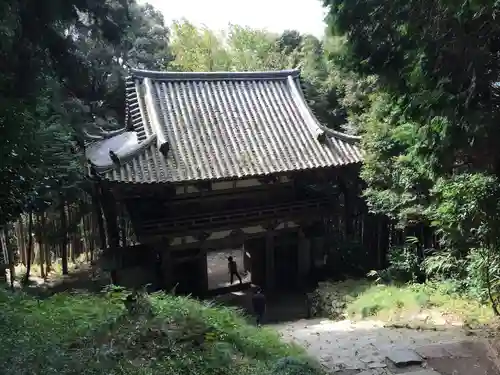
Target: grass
<point x="88" y="334"/>
<point x="434" y="303"/>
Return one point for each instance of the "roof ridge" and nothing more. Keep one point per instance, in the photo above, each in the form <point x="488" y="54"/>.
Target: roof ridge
<point x="195" y="76"/>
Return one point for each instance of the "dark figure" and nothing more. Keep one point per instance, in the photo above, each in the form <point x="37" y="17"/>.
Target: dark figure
<point x="259" y="305"/>
<point x="233" y="270"/>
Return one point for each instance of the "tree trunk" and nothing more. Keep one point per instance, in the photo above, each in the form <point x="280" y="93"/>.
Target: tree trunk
<point x="48" y="252"/>
<point x="84" y="238"/>
<point x="10" y="255"/>
<point x="64" y="238"/>
<point x="29" y="248"/>
<point x="20" y="240"/>
<point x="41" y="244"/>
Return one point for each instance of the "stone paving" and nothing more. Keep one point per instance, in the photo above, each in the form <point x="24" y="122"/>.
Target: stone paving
<point x="368" y="348"/>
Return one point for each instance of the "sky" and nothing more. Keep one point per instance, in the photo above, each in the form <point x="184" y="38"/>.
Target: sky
<point x="276" y="16"/>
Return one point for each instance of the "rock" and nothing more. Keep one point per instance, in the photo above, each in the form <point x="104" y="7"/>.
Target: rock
<point x="404" y="357"/>
<point x="377" y="365"/>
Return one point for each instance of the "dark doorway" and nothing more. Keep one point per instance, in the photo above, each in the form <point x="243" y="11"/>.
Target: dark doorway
<point x="286" y="261"/>
<point x="189" y="275"/>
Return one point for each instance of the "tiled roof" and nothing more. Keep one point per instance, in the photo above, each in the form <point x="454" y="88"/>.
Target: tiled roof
<point x="219" y="126"/>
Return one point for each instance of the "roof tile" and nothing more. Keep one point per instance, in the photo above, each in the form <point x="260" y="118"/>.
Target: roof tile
<point x="223" y="125"/>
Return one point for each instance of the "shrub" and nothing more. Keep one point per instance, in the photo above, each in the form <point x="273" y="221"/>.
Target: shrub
<point x="404" y="265"/>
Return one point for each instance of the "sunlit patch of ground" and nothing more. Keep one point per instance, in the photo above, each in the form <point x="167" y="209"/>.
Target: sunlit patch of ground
<point x="362" y="345"/>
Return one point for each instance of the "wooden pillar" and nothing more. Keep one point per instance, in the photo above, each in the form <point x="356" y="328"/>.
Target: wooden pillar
<point x="204" y="271"/>
<point x="304" y="258"/>
<point x="270" y="270"/>
<point x="166" y="264"/>
<point x="97" y="211"/>
<point x="111" y="215"/>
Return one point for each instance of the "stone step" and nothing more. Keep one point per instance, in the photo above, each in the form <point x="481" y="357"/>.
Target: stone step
<point x="404" y="357"/>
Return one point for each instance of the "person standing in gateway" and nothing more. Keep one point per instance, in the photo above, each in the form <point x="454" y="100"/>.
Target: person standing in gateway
<point x="233" y="270"/>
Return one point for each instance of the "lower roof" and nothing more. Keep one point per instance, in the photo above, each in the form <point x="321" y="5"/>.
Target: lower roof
<point x="217" y="126"/>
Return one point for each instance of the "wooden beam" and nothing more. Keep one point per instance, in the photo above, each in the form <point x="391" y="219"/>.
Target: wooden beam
<point x="270" y="266"/>
<point x="218" y="243"/>
<point x="162" y="229"/>
<point x="250" y="213"/>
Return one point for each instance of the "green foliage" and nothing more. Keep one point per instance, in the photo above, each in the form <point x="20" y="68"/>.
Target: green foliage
<point x="445" y="265"/>
<point x="414" y="305"/>
<point x="62" y="76"/>
<point x="429" y="119"/>
<point x="384" y="301"/>
<point x="466" y="208"/>
<point x="483" y="276"/>
<point x="87" y="334"/>
<point x="37" y="59"/>
<point x="246" y="49"/>
<point x="430" y="127"/>
<point x="404" y="265"/>
<point x="295" y="366"/>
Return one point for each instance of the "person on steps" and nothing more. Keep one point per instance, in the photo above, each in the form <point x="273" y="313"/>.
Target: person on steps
<point x="233" y="270"/>
<point x="259" y="305"/>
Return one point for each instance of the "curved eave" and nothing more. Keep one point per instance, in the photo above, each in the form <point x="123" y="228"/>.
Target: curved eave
<point x="124" y="157"/>
<point x="312" y="119"/>
<point x="115" y="182"/>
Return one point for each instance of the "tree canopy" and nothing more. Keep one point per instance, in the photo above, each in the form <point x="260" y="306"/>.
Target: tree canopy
<point x="430" y="124"/>
<point x="437" y="110"/>
<point x="63" y="65"/>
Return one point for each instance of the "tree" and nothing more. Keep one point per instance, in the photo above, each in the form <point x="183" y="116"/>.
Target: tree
<point x="437" y="67"/>
<point x="253" y="50"/>
<point x="197" y="50"/>
<point x="74" y="58"/>
<point x="38" y="55"/>
<point x="247" y="49"/>
<point x="430" y="127"/>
